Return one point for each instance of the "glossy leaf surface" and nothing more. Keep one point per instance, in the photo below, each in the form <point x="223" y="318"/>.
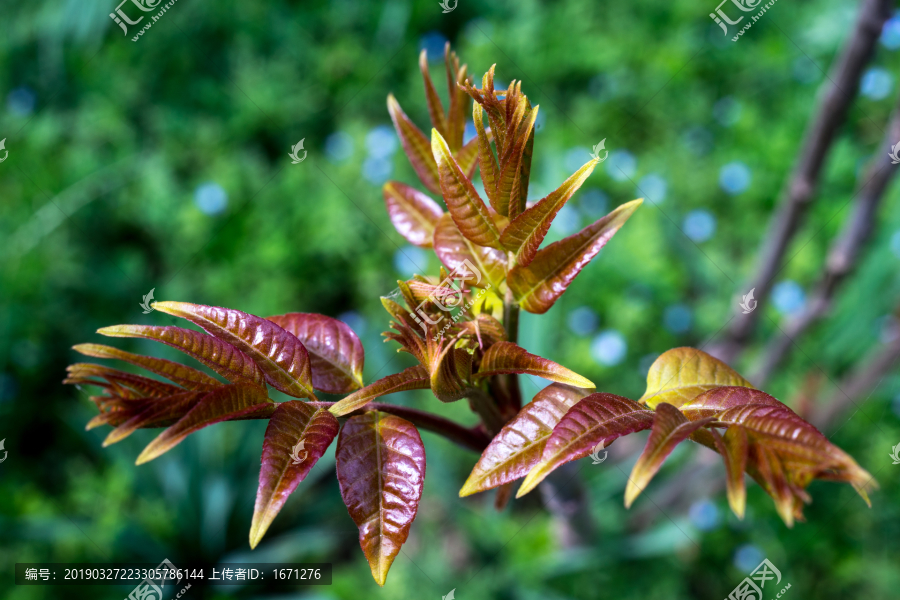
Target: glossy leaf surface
<point x="598" y="418"/>
<point x="670" y="428"/>
<point x="539" y="285"/>
<point x="235" y="401"/>
<point x="281" y="356"/>
<point x="413" y="378"/>
<point x="183" y="375"/>
<point x="453" y="249"/>
<point x="507" y="357"/>
<point x="292" y="423"/>
<point x="525" y="233"/>
<point x="221" y="357"/>
<point x="336" y="355"/>
<point x="381" y="473"/>
<point x="682" y="374"/>
<point x="465" y="205"/>
<point x="413" y="214"/>
<point x="520" y="443"/>
<point x="416" y="146"/>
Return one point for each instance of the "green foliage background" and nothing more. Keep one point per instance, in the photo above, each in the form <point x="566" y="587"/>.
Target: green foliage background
<point x="98" y="207"/>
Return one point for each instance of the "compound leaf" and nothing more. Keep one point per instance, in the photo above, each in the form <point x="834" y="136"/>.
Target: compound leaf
<point x="413" y="214"/>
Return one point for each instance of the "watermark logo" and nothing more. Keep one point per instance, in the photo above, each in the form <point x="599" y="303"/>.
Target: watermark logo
<point x="598" y="148"/>
<point x="123" y="21"/>
<point x="447" y="296"/>
<point x="3" y="441"/>
<point x="449" y="596"/>
<point x="152" y="587"/>
<point x="723" y="21"/>
<point x="146" y="303"/>
<point x="748" y="303"/>
<point x="751" y="588"/>
<point x="447" y="8"/>
<point x="895" y="160"/>
<point x="6" y="152"/>
<point x="296" y="452"/>
<point x="895" y="455"/>
<point x="295" y="158"/>
<point x="595" y="453"/>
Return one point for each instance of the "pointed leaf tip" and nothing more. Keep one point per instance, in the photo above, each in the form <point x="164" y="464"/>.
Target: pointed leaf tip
<point x="283" y="468"/>
<point x="381" y="472"/>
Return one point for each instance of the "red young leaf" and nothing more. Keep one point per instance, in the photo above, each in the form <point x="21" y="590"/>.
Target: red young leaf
<point x="465" y="205"/>
<point x="490" y="169"/>
<point x="507" y="357"/>
<point x="230" y="402"/>
<point x="381" y="472"/>
<point x="435" y="108"/>
<point x="733" y="447"/>
<point x="221" y="357"/>
<point x="183" y="375"/>
<point x="416" y="146"/>
<point x="413" y="378"/>
<point x="142" y="386"/>
<point x="539" y="285"/>
<point x="520" y="443"/>
<point x="509" y="182"/>
<point x="670" y="428"/>
<point x="160" y="412"/>
<point x="682" y="374"/>
<point x="526" y="232"/>
<point x="597" y="418"/>
<point x="280" y="355"/>
<point x="294" y="425"/>
<point x="336" y="355"/>
<point x="413" y="214"/>
<point x="785" y="453"/>
<point x="467" y="157"/>
<point x="459" y="101"/>
<point x="453" y="249"/>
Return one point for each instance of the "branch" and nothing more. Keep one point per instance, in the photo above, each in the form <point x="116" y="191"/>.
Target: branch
<point x="473" y="438"/>
<point x="839" y="91"/>
<point x="864" y="378"/>
<point x="842" y="256"/>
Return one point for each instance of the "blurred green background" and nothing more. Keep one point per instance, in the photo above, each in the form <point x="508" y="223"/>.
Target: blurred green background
<point x="163" y="164"/>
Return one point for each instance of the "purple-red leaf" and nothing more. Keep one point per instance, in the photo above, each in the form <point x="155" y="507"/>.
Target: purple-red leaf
<point x="381" y="472"/>
<point x="230" y="402"/>
<point x="183" y="375"/>
<point x="435" y="108"/>
<point x="520" y="443"/>
<point x="733" y="447"/>
<point x="490" y="169"/>
<point x="416" y="146"/>
<point x="507" y="357"/>
<point x="280" y="355"/>
<point x="159" y="412"/>
<point x="539" y="285"/>
<point x="413" y="378"/>
<point x="293" y="425"/>
<point x="465" y="205"/>
<point x="221" y="357"/>
<point x="336" y="355"/>
<point x="413" y="214"/>
<point x="526" y="232"/>
<point x="670" y="428"/>
<point x="453" y="249"/>
<point x="785" y="453"/>
<point x="598" y="418"/>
